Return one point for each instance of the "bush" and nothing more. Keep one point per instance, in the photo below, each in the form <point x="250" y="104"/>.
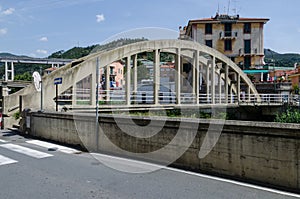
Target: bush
<point x="290" y="116"/>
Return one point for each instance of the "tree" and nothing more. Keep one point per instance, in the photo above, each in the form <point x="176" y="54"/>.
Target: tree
<point x="25" y="77"/>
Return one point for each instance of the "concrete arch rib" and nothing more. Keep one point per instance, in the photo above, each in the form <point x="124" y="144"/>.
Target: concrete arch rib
<point x="132" y="49"/>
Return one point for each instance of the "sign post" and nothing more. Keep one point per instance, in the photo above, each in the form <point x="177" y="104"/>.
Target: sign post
<point x="57" y="81"/>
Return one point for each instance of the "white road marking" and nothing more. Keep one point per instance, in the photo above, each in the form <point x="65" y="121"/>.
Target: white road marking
<point x="53" y="146"/>
<point x="151" y="165"/>
<point x="4" y="160"/>
<point x="3" y="141"/>
<point x="26" y="151"/>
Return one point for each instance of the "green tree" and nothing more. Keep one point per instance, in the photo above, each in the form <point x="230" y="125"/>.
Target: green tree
<point x="25" y="77"/>
<point x="290" y="116"/>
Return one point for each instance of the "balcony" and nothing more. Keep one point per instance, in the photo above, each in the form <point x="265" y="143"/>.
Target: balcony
<point x="228" y="35"/>
<point x="248" y="52"/>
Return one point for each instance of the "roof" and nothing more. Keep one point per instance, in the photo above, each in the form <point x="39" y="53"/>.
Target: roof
<point x="50" y="69"/>
<point x="227" y="18"/>
<point x="243" y="20"/>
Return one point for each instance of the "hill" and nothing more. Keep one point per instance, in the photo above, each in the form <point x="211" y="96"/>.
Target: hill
<point x="283" y="60"/>
<point x="78" y="52"/>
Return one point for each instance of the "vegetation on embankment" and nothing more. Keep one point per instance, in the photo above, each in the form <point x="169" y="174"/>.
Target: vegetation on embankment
<point x="289" y="116"/>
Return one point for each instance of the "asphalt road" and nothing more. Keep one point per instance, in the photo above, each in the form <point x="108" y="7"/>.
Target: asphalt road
<point x="35" y="170"/>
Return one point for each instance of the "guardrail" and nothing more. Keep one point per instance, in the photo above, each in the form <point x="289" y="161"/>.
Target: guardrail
<point x="83" y="97"/>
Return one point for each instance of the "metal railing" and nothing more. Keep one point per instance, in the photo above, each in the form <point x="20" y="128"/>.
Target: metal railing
<point x="243" y="51"/>
<point x="83" y="97"/>
<point x="228" y="34"/>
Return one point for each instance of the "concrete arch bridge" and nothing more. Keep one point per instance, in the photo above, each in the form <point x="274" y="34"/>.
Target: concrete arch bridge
<point x="201" y="76"/>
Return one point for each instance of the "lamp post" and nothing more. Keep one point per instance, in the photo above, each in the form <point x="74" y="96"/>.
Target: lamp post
<point x="273" y="68"/>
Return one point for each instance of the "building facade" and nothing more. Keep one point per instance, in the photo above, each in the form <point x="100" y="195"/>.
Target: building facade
<point x="241" y="39"/>
<point x="116" y="75"/>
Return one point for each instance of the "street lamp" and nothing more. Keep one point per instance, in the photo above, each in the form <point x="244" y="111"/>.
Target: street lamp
<point x="273" y="60"/>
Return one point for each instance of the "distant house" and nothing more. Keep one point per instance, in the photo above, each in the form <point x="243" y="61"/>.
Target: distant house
<point x="295" y="78"/>
<point x="49" y="70"/>
<point x="116" y="74"/>
<point x="240" y="39"/>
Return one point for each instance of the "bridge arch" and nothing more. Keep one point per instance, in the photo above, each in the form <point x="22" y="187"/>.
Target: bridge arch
<point x="222" y="77"/>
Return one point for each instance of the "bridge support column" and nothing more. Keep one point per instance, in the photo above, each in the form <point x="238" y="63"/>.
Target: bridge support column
<point x="213" y="87"/>
<point x="231" y="94"/>
<point x="226" y="82"/>
<point x="156" y="76"/>
<point x="220" y="87"/>
<point x="178" y="76"/>
<point x="107" y="83"/>
<point x="135" y="79"/>
<point x="207" y="83"/>
<point x="238" y="87"/>
<point x="196" y="74"/>
<point x="128" y="82"/>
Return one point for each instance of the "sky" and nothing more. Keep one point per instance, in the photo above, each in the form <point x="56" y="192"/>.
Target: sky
<point x="39" y="28"/>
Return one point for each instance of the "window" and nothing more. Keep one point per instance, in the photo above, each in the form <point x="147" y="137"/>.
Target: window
<point x="111" y="70"/>
<point x="247" y="28"/>
<point x="208" y="29"/>
<point x="247" y="62"/>
<point x="209" y="43"/>
<point x="228" y="29"/>
<point x="247" y="46"/>
<point x="228" y="45"/>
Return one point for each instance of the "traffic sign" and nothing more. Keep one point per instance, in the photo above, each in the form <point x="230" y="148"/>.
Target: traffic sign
<point x="58" y="81"/>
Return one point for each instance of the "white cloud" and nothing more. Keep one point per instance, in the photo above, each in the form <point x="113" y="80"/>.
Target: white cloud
<point x="8" y="11"/>
<point x="3" y="31"/>
<point x="45" y="39"/>
<point x="100" y="18"/>
<point x="44" y="52"/>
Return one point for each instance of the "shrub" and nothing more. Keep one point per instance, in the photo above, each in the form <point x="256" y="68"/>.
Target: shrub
<point x="290" y="116"/>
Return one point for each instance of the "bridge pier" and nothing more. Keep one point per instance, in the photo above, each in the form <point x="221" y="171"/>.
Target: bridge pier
<point x="9" y="71"/>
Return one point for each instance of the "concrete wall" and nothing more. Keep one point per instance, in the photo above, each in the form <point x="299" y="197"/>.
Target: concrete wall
<point x="266" y="153"/>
